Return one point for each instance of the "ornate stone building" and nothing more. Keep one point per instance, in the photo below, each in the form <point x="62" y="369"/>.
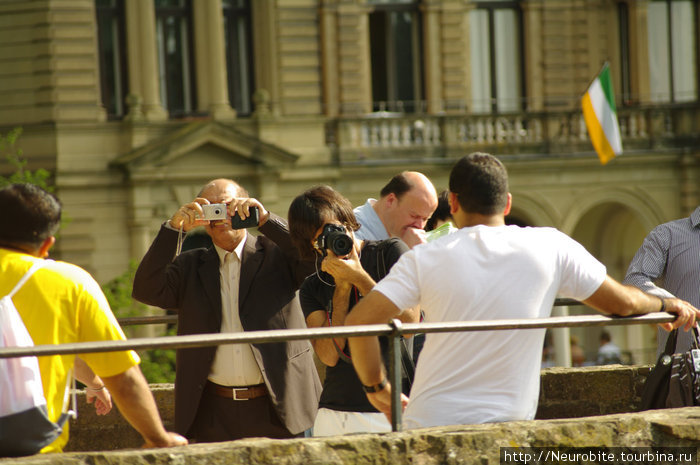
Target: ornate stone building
<point x="134" y="104"/>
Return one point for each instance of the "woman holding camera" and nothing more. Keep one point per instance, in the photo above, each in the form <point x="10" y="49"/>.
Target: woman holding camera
<point x="322" y="225"/>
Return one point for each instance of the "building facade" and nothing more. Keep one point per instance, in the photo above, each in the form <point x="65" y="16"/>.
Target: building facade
<point x="134" y="104"/>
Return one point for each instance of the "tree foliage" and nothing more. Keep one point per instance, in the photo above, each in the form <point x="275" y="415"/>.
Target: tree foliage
<point x="14" y="156"/>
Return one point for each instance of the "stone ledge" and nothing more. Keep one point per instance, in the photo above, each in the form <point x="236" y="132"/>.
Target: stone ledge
<point x="467" y="445"/>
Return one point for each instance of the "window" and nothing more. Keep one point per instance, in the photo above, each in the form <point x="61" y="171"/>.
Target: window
<point x="396" y="51"/>
<point x="623" y="21"/>
<point x="112" y="56"/>
<point x="496" y="47"/>
<point x="672" y="51"/>
<point x="176" y="72"/>
<point x="239" y="54"/>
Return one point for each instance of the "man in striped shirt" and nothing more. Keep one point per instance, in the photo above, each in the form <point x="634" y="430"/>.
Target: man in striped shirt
<point x="670" y="256"/>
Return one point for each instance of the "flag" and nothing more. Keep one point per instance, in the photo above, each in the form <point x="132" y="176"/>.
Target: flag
<point x="601" y="117"/>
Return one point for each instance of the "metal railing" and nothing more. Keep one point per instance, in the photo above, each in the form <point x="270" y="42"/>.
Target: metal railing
<point x="395" y="329"/>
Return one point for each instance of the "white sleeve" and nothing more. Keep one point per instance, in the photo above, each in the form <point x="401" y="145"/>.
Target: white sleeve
<point x="581" y="273"/>
<point x="401" y="285"/>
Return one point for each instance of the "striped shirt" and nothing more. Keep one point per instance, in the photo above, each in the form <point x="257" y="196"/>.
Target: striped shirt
<point x="667" y="265"/>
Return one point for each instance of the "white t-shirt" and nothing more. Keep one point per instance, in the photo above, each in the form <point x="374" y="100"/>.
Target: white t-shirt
<point x="486" y="273"/>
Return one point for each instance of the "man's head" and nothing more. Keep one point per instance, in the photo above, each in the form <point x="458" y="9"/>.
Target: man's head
<point x="31" y="217"/>
<point x="312" y="209"/>
<point x="407" y="201"/>
<point x="223" y="191"/>
<point x="479" y="182"/>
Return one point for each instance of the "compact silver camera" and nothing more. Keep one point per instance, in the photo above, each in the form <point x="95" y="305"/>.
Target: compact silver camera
<point x="214" y="211"/>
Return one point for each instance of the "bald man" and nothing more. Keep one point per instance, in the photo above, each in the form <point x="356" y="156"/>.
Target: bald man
<point x="240" y="283"/>
<point x="404" y="206"/>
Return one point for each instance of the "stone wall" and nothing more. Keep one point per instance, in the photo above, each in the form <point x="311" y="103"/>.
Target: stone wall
<point x="477" y="444"/>
<point x="565" y="393"/>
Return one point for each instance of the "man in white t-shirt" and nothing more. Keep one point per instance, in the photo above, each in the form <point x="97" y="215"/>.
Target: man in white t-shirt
<point x="486" y="271"/>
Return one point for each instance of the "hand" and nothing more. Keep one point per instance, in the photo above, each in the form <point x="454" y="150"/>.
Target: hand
<point x="345" y="270"/>
<point x="170" y="440"/>
<point x="687" y="314"/>
<point x="190" y="215"/>
<point x="413" y="236"/>
<point x="101" y="398"/>
<point x="382" y="401"/>
<point x="242" y="206"/>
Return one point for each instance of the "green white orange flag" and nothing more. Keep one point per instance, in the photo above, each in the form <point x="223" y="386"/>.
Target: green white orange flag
<point x="600" y="115"/>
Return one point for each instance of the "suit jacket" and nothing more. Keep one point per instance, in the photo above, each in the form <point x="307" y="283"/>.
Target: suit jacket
<point x="270" y="275"/>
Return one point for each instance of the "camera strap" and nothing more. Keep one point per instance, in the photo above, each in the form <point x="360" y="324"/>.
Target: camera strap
<point x="341" y="354"/>
<point x="180" y="241"/>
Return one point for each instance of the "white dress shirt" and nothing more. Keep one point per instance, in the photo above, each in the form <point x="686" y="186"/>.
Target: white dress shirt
<point x="234" y="364"/>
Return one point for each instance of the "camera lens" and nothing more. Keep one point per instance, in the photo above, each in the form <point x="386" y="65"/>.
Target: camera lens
<point x="340" y="243"/>
<point x="217" y="211"/>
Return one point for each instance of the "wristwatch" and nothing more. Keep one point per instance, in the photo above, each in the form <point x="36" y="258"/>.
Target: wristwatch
<point x="376" y="387"/>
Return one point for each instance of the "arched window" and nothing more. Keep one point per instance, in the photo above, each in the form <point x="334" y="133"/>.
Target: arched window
<point x="496" y="48"/>
<point x="112" y="56"/>
<point x="396" y="56"/>
<point x="174" y="45"/>
<point x="239" y="54"/>
<point x="672" y="50"/>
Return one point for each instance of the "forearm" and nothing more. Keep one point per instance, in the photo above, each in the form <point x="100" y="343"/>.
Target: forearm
<point x="132" y="395"/>
<point x="85" y="375"/>
<point x="622" y="300"/>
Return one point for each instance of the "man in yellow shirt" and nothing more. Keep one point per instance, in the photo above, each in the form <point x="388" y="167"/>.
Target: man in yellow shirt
<point x="61" y="303"/>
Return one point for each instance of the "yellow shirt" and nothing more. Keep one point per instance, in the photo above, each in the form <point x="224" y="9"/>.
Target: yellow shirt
<point x="61" y="303"/>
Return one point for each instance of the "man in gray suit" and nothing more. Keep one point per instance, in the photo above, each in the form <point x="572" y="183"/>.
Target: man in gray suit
<point x="241" y="283"/>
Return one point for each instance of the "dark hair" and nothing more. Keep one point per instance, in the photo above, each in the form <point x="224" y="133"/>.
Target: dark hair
<point x="480" y="181"/>
<point x="398" y="185"/>
<point x="441" y="213"/>
<point x="31" y="214"/>
<point x="308" y="212"/>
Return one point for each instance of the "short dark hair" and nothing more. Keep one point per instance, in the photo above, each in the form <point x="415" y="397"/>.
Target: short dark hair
<point x="308" y="211"/>
<point x="441" y="213"/>
<point x="398" y="185"/>
<point x="480" y="182"/>
<point x="32" y="215"/>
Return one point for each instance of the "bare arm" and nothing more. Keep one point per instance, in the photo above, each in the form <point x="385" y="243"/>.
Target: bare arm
<point x="135" y="401"/>
<point x="325" y="348"/>
<point x="95" y="389"/>
<point x="622" y="300"/>
<point x="374" y="308"/>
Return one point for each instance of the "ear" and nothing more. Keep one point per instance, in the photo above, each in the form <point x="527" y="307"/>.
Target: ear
<point x="509" y="204"/>
<point x="390" y="200"/>
<point x="45" y="246"/>
<point x="454" y="203"/>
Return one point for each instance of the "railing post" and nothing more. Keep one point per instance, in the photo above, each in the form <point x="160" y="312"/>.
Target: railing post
<point x="395" y="373"/>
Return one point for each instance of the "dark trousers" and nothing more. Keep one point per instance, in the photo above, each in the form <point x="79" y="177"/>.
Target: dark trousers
<point x="223" y="419"/>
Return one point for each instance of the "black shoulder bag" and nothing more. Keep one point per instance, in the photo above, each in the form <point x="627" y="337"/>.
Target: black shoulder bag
<point x="675" y="379"/>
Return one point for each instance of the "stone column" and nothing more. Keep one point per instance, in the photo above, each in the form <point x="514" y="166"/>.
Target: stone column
<point x="329" y="57"/>
<point x="561" y="339"/>
<point x="532" y="59"/>
<point x="639" y="50"/>
<point x="432" y="56"/>
<point x="265" y="50"/>
<point x="143" y="57"/>
<point x="210" y="55"/>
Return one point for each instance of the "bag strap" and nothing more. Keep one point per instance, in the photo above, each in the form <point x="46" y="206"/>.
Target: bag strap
<point x="70" y="379"/>
<point x="37" y="264"/>
<point x="671" y="342"/>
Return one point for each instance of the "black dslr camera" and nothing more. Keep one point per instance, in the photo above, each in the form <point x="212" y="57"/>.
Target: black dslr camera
<point x="335" y="238"/>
